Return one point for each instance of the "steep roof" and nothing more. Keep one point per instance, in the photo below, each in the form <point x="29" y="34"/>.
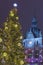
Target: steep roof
<point x="36" y="32"/>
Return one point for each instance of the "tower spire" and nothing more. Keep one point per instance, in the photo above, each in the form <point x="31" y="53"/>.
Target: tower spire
<point x="34" y="20"/>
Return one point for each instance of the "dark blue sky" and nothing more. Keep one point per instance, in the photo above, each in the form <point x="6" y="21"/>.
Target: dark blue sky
<point x="26" y="9"/>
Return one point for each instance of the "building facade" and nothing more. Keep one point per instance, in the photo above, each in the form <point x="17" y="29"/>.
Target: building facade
<point x="33" y="36"/>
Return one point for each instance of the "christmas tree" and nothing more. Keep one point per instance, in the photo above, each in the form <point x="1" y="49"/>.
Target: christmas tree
<point x="11" y="49"/>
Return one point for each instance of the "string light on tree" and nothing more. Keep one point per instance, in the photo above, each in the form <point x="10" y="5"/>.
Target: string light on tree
<point x="21" y="62"/>
<point x="4" y="54"/>
<point x="16" y="25"/>
<point x="19" y="44"/>
<point x="21" y="37"/>
<point x="11" y="13"/>
<point x="6" y="28"/>
<point x="17" y="18"/>
<point x="0" y="39"/>
<point x="5" y="23"/>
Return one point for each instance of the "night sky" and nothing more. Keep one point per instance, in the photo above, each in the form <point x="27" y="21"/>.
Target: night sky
<point x="26" y="9"/>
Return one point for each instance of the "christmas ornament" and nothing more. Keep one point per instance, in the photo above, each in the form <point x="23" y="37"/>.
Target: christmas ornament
<point x="6" y="28"/>
<point x="21" y="62"/>
<point x="19" y="44"/>
<point x="11" y="13"/>
<point x="21" y="37"/>
<point x="0" y="40"/>
<point x="5" y="54"/>
<point x="16" y="25"/>
<point x="17" y="18"/>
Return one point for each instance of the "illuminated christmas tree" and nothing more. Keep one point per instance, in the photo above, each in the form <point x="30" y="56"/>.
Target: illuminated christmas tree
<point x="11" y="49"/>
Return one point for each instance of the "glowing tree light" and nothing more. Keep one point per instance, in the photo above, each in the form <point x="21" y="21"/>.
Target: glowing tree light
<point x="15" y="4"/>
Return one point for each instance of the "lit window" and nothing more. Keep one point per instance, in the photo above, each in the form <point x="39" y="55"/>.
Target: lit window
<point x="30" y="42"/>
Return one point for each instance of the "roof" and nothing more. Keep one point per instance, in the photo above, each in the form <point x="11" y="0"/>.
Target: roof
<point x="35" y="32"/>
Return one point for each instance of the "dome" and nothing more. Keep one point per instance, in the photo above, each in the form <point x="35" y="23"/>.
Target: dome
<point x="30" y="35"/>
